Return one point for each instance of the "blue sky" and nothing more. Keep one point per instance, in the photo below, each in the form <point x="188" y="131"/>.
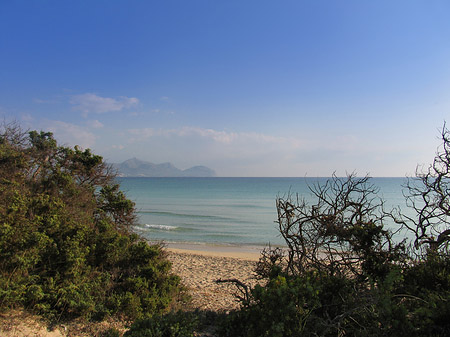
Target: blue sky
<point x="248" y="88"/>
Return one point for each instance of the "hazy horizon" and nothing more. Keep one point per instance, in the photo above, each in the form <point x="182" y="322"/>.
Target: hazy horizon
<point x="219" y="176"/>
<point x="247" y="88"/>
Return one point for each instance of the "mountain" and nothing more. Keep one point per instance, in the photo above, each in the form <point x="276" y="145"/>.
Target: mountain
<point x="138" y="168"/>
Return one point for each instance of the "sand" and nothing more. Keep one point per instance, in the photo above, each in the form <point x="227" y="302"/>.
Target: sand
<point x="199" y="266"/>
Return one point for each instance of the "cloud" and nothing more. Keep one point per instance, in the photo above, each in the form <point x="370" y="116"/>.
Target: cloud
<point x="226" y="137"/>
<point x="202" y="141"/>
<point x="89" y="102"/>
<point x="71" y="134"/>
<point x="95" y="124"/>
<point x="233" y="153"/>
<point x="223" y="137"/>
<point x="253" y="153"/>
<point x="228" y="152"/>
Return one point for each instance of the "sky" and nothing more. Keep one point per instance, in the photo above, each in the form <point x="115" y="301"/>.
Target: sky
<point x="247" y="88"/>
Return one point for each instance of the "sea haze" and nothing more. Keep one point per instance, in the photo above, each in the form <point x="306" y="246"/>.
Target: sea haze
<point x="236" y="211"/>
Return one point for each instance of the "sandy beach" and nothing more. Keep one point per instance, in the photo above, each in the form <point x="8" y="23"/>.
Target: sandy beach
<point x="199" y="266"/>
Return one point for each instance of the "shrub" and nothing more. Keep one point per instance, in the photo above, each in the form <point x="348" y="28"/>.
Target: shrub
<point x="343" y="274"/>
<point x="111" y="332"/>
<point x="66" y="248"/>
<point x="317" y="304"/>
<point x="173" y="324"/>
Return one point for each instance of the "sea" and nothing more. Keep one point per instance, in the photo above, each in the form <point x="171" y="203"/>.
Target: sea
<point x="225" y="211"/>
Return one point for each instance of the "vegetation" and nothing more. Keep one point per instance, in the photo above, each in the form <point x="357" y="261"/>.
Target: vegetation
<point x="343" y="274"/>
<point x="173" y="324"/>
<point x="66" y="248"/>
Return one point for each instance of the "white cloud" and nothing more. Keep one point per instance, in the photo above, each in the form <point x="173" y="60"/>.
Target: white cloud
<point x="71" y="134"/>
<point x="252" y="153"/>
<point x="145" y="133"/>
<point x="95" y="124"/>
<point x="226" y="137"/>
<point x="223" y="137"/>
<point x="89" y="102"/>
<point x="227" y="152"/>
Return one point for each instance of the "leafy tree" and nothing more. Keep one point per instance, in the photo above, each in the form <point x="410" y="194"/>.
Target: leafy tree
<point x="66" y="248"/>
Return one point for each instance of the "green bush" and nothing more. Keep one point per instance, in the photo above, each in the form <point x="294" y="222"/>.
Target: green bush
<point x="174" y="324"/>
<point x="66" y="248"/>
<point x="316" y="305"/>
<point x="426" y="284"/>
<point x="342" y="274"/>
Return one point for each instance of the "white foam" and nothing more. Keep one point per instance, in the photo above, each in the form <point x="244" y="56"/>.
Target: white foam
<point x="161" y="227"/>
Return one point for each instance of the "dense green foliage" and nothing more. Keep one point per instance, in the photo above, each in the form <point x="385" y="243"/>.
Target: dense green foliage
<point x="174" y="324"/>
<point x="66" y="248"/>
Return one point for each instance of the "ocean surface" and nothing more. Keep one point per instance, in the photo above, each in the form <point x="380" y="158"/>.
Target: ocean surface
<point x="224" y="211"/>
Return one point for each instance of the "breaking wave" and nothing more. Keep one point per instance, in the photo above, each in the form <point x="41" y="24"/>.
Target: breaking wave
<point x="161" y="227"/>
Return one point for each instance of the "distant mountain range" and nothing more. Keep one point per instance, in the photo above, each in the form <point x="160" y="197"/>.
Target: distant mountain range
<point x="139" y="168"/>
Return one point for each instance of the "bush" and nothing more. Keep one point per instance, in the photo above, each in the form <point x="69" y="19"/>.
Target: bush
<point x="342" y="273"/>
<point x="174" y="324"/>
<point x="66" y="248"/>
<point x="111" y="332"/>
<point x="316" y="304"/>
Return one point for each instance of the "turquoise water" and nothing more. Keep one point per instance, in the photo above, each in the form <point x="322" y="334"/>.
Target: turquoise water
<point x="238" y="211"/>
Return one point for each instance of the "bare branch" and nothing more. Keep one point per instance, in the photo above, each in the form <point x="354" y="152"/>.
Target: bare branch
<point x="428" y="194"/>
<point x="242" y="287"/>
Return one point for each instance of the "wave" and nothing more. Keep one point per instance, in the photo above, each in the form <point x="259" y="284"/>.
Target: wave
<point x="161" y="227"/>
